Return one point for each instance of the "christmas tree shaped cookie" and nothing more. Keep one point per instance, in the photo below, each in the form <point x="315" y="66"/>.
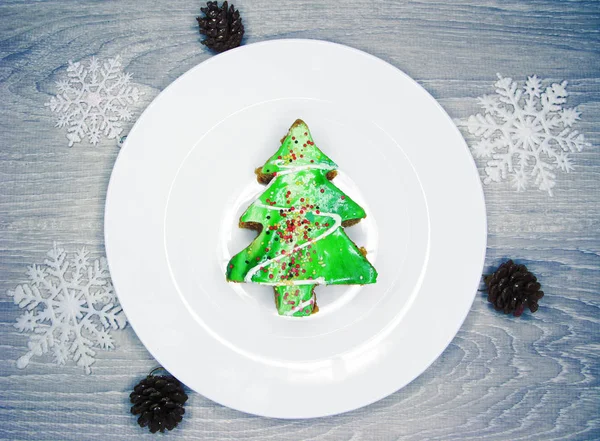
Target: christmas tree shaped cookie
<point x="299" y="218"/>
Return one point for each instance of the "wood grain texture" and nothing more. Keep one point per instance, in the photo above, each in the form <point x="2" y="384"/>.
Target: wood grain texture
<point x="536" y="378"/>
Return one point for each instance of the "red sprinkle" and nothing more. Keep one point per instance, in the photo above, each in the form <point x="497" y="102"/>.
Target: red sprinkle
<point x="266" y="250"/>
<point x="279" y="157"/>
<point x="230" y="266"/>
<point x="282" y="251"/>
<point x="270" y="276"/>
<point x="322" y="190"/>
<point x="312" y="160"/>
<point x="293" y="137"/>
<point x="343" y="197"/>
<point x="317" y="211"/>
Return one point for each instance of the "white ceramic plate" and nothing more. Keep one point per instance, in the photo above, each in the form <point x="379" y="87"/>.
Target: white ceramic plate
<point x="185" y="175"/>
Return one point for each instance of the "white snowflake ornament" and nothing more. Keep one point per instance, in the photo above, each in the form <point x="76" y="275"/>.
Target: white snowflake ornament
<point x="94" y="100"/>
<point x="526" y="132"/>
<point x="70" y="308"/>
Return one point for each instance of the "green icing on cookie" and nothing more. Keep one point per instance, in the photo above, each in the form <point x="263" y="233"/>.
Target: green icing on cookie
<point x="301" y="242"/>
<point x="298" y="150"/>
<point x="295" y="300"/>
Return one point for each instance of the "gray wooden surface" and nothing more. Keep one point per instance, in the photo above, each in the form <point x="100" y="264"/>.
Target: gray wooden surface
<point x="535" y="378"/>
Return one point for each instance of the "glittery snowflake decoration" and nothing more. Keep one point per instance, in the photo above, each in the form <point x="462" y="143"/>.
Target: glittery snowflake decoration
<point x="94" y="100"/>
<point x="70" y="308"/>
<point x="526" y="132"/>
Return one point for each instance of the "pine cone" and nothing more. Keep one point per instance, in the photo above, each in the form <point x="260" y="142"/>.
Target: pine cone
<point x="159" y="399"/>
<point x="222" y="26"/>
<point x="512" y="287"/>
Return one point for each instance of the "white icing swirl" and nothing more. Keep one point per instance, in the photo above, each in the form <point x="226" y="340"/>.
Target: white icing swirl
<point x="320" y="281"/>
